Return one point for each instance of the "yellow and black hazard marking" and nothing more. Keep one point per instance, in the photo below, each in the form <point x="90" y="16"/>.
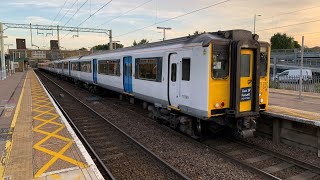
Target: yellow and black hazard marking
<point x="44" y="115"/>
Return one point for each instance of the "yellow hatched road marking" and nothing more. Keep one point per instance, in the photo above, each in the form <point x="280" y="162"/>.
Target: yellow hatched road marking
<point x="5" y="155"/>
<point x="44" y="108"/>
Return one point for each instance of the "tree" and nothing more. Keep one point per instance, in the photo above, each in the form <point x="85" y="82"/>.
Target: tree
<point x="283" y="41"/>
<point x="106" y="46"/>
<point x="198" y="32"/>
<point x="142" y="41"/>
<point x="83" y="49"/>
<point x="296" y="44"/>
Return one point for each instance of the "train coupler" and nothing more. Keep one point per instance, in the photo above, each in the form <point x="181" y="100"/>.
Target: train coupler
<point x="246" y="127"/>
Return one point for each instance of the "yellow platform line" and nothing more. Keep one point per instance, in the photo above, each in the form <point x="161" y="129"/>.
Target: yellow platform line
<point x="6" y="154"/>
<point x="295" y="112"/>
<point x="39" y="96"/>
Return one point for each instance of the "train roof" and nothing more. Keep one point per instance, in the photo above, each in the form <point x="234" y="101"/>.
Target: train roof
<point x="204" y="39"/>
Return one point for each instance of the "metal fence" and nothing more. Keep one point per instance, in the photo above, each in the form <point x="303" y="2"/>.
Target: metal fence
<point x="309" y="83"/>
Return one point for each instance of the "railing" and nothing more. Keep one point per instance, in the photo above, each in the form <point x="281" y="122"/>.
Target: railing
<point x="309" y="83"/>
<point x="307" y="62"/>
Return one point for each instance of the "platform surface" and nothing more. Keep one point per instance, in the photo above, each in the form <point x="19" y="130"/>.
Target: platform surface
<point x="286" y="104"/>
<point x="10" y="90"/>
<point x="43" y="145"/>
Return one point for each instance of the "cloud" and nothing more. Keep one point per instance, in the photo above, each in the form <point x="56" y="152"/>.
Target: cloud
<point x="37" y="20"/>
<point x="231" y="15"/>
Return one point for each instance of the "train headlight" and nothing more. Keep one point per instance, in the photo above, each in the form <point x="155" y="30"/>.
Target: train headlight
<point x="217" y="105"/>
<point x="260" y="94"/>
<point x="261" y="100"/>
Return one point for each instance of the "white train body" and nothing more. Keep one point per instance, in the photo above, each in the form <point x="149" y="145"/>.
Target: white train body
<point x="192" y="75"/>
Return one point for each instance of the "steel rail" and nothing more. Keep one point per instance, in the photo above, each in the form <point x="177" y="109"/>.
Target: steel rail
<point x="173" y="169"/>
<point x="83" y="139"/>
<point x="242" y="163"/>
<point x="283" y="157"/>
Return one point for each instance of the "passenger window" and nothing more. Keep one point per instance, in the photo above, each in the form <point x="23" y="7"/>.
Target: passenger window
<point x="245" y="65"/>
<point x="109" y="67"/>
<point x="75" y="66"/>
<point x="173" y="72"/>
<point x="65" y="65"/>
<point x="149" y="69"/>
<point x="86" y="66"/>
<point x="186" y="69"/>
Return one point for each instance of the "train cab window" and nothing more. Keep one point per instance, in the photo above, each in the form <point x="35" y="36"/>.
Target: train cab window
<point x="263" y="61"/>
<point x="149" y="69"/>
<point x="109" y="67"/>
<point x="86" y="66"/>
<point x="186" y="69"/>
<point x="245" y="65"/>
<point x="220" y="62"/>
<point x="174" y="72"/>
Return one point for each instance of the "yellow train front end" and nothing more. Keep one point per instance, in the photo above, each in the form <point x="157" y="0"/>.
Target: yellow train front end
<point x="239" y="80"/>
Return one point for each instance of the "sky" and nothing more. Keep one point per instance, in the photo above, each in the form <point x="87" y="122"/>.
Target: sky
<point x="132" y="20"/>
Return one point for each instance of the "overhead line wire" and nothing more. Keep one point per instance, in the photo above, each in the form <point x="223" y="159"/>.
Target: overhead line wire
<point x="95" y="12"/>
<point x="307" y="22"/>
<point x="75" y="12"/>
<point x="282" y="14"/>
<point x="176" y="17"/>
<point x="68" y="11"/>
<point x="59" y="12"/>
<point x="91" y="15"/>
<point x="124" y="13"/>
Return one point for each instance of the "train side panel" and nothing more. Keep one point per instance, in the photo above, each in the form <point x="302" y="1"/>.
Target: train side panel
<point x="151" y="87"/>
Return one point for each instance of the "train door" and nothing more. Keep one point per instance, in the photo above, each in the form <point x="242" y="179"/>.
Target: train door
<point x="174" y="80"/>
<point x="94" y="71"/>
<point x="69" y="68"/>
<point x="246" y="69"/>
<point x="127" y="74"/>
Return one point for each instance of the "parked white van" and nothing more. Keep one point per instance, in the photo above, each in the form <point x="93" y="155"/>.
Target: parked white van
<point x="293" y="75"/>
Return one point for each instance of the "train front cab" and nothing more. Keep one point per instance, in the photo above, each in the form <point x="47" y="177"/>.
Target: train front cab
<point x="238" y="86"/>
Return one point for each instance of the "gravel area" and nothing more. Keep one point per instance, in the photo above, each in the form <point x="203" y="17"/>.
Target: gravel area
<point x="124" y="158"/>
<point x="267" y="163"/>
<point x="289" y="172"/>
<point x="295" y="152"/>
<point x="191" y="158"/>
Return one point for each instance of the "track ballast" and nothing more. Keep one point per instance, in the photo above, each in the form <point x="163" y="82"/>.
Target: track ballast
<point x="119" y="155"/>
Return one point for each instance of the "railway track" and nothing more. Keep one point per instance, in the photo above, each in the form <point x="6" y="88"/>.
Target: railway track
<point x="265" y="162"/>
<point x="117" y="154"/>
<point x="268" y="164"/>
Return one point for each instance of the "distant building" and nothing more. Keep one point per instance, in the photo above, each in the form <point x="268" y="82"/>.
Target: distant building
<point x="33" y="56"/>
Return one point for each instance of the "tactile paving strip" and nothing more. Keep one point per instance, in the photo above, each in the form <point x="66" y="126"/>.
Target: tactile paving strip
<point x="52" y="141"/>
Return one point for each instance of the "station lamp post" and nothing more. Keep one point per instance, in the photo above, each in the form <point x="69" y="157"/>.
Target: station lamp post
<point x="254" y="22"/>
<point x="164" y="31"/>
<point x="3" y="61"/>
<point x="10" y="63"/>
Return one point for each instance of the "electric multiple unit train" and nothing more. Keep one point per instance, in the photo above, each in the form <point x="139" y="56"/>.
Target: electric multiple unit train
<point x="196" y="82"/>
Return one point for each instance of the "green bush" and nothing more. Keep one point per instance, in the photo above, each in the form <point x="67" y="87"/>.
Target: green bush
<point x="274" y="84"/>
<point x="317" y="87"/>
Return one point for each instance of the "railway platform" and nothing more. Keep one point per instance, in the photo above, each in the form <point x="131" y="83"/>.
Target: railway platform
<point x="291" y="120"/>
<point x="36" y="141"/>
<point x="286" y="104"/>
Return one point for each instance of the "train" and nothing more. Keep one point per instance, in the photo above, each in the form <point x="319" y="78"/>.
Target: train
<point x="197" y="83"/>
